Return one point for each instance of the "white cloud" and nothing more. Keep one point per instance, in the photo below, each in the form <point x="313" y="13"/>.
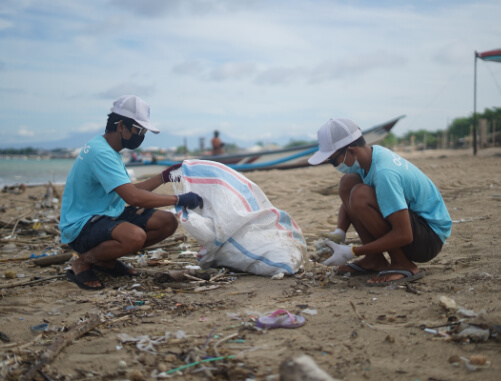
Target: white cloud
<point x="247" y="68"/>
<point x="90" y="127"/>
<point x="4" y="24"/>
<point x="23" y="131"/>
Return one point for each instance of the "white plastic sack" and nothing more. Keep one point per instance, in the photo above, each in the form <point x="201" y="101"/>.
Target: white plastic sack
<point x="238" y="226"/>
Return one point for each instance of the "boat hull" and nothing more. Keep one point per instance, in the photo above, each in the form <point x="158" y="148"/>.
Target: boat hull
<point x="293" y="157"/>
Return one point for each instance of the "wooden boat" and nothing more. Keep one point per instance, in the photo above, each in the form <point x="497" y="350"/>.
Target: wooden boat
<point x="287" y="158"/>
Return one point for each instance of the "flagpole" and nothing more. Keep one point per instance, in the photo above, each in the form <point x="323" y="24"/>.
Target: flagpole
<point x="475" y="107"/>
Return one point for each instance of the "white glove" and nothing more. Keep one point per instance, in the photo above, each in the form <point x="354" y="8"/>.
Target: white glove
<point x="341" y="254"/>
<point x="337" y="236"/>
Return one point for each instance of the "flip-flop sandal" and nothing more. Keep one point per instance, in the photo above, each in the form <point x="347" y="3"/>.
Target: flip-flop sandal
<point x="408" y="277"/>
<point x="82" y="277"/>
<point x="280" y="319"/>
<point x="120" y="269"/>
<point x="358" y="270"/>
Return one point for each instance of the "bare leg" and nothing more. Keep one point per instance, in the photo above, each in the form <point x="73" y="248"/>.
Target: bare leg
<point x="360" y="204"/>
<point x="127" y="239"/>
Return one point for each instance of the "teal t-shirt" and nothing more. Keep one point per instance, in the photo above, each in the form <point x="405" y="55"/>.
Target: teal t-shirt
<point x="400" y="185"/>
<point x="89" y="188"/>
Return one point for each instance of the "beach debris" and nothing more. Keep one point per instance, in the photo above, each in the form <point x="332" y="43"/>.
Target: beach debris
<point x="61" y="341"/>
<point x="40" y="327"/>
<point x="389" y="339"/>
<point x="121" y="367"/>
<point x="32" y="281"/>
<point x="9" y="248"/>
<point x="302" y="368"/>
<point x="476" y="362"/>
<point x="53" y="259"/>
<point x="448" y="303"/>
<point x="179" y="369"/>
<point x="280" y="319"/>
<point x="309" y="311"/>
<point x="14" y="189"/>
<point x="471" y="332"/>
<point x="144" y="343"/>
<point x="9" y="274"/>
<point x="322" y="250"/>
<point x="454" y="360"/>
<point x="4" y="337"/>
<point x="157" y="253"/>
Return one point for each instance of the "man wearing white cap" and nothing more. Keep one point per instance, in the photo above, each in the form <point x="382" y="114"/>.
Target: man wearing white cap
<point x="95" y="221"/>
<point x="393" y="206"/>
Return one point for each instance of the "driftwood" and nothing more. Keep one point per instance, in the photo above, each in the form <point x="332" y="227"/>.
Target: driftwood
<point x="53" y="259"/>
<point x="62" y="341"/>
<point x="30" y="282"/>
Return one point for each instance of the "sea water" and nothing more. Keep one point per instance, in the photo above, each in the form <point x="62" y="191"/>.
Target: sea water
<point x="33" y="171"/>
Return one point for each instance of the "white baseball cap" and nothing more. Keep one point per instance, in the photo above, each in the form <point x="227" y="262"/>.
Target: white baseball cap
<point x="131" y="106"/>
<point x="332" y="136"/>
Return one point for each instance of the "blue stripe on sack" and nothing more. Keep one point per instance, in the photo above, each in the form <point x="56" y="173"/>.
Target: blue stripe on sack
<point x="183" y="210"/>
<point x="260" y="258"/>
<point x="211" y="172"/>
<point x="286" y="221"/>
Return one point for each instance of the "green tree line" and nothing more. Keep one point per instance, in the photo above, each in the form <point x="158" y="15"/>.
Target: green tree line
<point x="457" y="133"/>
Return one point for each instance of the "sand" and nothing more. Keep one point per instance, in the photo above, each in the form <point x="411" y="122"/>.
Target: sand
<point x="353" y="332"/>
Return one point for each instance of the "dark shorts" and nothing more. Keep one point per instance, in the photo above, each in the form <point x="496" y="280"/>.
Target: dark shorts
<point x="426" y="244"/>
<point x="99" y="228"/>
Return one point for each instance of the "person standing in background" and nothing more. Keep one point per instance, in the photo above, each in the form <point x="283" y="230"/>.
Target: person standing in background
<point x="217" y="144"/>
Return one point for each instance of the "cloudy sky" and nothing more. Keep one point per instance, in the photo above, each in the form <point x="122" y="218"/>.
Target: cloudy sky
<point x="253" y="69"/>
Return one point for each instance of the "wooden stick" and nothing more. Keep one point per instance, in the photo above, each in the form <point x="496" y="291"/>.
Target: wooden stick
<point x="194" y="278"/>
<point x="61" y="341"/>
<point x="217" y="276"/>
<point x="15" y="259"/>
<point x="20" y="346"/>
<point x="26" y="283"/>
<point x="19" y="219"/>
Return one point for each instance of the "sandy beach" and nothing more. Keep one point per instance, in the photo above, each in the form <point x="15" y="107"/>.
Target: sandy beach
<point x="186" y="328"/>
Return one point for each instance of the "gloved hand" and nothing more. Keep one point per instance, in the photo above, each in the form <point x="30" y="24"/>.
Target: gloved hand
<point x="166" y="173"/>
<point x="190" y="200"/>
<point x="341" y="254"/>
<point x="337" y="236"/>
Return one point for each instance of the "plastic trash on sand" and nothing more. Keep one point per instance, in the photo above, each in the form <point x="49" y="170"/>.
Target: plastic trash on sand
<point x="238" y="226"/>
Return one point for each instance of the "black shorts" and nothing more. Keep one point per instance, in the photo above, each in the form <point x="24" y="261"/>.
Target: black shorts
<point x="426" y="244"/>
<point x="99" y="228"/>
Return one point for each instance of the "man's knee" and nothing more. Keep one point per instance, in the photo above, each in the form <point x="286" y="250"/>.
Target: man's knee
<point x="165" y="222"/>
<point x="362" y="196"/>
<point x="347" y="183"/>
<point x="131" y="236"/>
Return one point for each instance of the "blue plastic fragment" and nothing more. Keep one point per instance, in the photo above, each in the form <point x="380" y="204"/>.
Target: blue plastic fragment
<point x="40" y="327"/>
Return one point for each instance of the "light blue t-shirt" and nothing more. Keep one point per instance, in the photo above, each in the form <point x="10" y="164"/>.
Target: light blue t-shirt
<point x="400" y="185"/>
<point x="90" y="185"/>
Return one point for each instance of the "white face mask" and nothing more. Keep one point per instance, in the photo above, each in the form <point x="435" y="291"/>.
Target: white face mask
<point x="343" y="168"/>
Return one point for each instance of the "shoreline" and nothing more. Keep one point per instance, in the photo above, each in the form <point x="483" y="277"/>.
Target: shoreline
<point x="138" y="172"/>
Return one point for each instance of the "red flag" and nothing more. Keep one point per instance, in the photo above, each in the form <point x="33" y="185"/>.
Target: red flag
<point x="491" y="55"/>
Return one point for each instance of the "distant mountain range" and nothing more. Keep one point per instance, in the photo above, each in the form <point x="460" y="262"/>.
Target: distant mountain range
<point x="162" y="140"/>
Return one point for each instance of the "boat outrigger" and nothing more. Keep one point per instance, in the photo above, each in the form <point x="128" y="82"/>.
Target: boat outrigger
<point x="287" y="158"/>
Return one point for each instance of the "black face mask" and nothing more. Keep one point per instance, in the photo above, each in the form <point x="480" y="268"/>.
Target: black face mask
<point x="134" y="141"/>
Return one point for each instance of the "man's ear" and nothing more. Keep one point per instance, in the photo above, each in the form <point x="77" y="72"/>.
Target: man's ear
<point x="120" y="125"/>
